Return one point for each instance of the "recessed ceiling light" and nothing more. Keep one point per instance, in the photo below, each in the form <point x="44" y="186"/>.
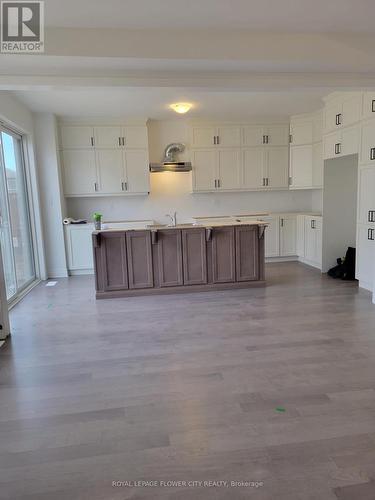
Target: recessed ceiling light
<point x="181" y="107"/>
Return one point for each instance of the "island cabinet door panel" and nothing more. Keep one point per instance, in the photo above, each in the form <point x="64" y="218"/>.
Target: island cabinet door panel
<point x="114" y="261"/>
<point x="194" y="256"/>
<point x="247" y="253"/>
<point x="223" y="255"/>
<point x="139" y="253"/>
<point x="170" y="258"/>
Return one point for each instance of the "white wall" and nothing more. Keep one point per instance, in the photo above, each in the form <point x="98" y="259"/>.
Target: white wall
<point x="339" y="208"/>
<point x="52" y="204"/>
<point x="172" y="191"/>
<point x="16" y="115"/>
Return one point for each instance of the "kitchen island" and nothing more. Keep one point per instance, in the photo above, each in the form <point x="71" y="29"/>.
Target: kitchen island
<point x="183" y="258"/>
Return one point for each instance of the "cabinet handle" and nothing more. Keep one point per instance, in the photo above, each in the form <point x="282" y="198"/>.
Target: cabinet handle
<point x="290" y="138"/>
<point x="122" y="186"/>
<point x="338" y="119"/>
<point x="264" y="140"/>
<point x="126" y="186"/>
<point x="123" y="141"/>
<point x="290" y="181"/>
<point x="370" y="234"/>
<point x="282" y="222"/>
<point x="267" y="181"/>
<point x="119" y="141"/>
<point x="218" y="183"/>
<point x="95" y="186"/>
<point x="92" y="141"/>
<point x="313" y="224"/>
<point x="372" y="154"/>
<point x="267" y="138"/>
<point x="373" y="106"/>
<point x="264" y="181"/>
<point x="217" y="139"/>
<point x="215" y="183"/>
<point x="338" y="148"/>
<point x="371" y="216"/>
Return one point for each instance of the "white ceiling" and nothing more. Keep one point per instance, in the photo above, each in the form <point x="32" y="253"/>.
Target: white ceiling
<point x="144" y="103"/>
<point x="308" y="16"/>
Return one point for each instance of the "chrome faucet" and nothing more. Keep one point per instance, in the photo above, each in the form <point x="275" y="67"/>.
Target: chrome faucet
<point x="173" y="219"/>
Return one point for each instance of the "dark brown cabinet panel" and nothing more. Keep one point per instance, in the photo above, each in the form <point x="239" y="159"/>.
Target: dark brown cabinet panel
<point x="113" y="261"/>
<point x="223" y="255"/>
<point x="247" y="253"/>
<point x="194" y="256"/>
<point x="139" y="255"/>
<point x="169" y="257"/>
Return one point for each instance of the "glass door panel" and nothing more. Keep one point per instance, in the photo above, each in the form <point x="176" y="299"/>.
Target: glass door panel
<point x="15" y="229"/>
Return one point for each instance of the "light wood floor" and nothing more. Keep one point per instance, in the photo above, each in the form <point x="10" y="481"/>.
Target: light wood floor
<point x="186" y="387"/>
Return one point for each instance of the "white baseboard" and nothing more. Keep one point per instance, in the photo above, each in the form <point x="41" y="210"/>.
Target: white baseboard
<point x="292" y="258"/>
<point x="57" y="273"/>
<point x="80" y="272"/>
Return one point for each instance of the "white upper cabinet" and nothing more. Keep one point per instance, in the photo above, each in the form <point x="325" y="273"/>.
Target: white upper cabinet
<point x="105" y="160"/>
<point x="77" y="137"/>
<point x="301" y="132"/>
<point x="367" y="148"/>
<point x="332" y="146"/>
<point x="277" y="135"/>
<point x="342" y="110"/>
<point x="135" y="137"/>
<point x="224" y="136"/>
<point x="253" y="168"/>
<point x="79" y="172"/>
<point x="301" y="167"/>
<point x="265" y="135"/>
<point x="317" y="165"/>
<point x="229" y="169"/>
<point x="288" y="235"/>
<point x="108" y="137"/>
<point x="317" y="119"/>
<point x="204" y="170"/>
<point x="368" y="106"/>
<point x="350" y="140"/>
<point x="253" y="135"/>
<point x="111" y="174"/>
<point x="366" y="195"/>
<point x="137" y="173"/>
<point x="351" y="109"/>
<point x="203" y="136"/>
<point x="228" y="136"/>
<point x="277" y="165"/>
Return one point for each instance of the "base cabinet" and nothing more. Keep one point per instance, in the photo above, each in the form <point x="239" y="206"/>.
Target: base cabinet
<point x="313" y="241"/>
<point x="114" y="262"/>
<point x="247" y="256"/>
<point x="365" y="255"/>
<point x="194" y="256"/>
<point x="139" y="256"/>
<point x="223" y="255"/>
<point x="169" y="247"/>
<point x="288" y="235"/>
<point x="137" y="262"/>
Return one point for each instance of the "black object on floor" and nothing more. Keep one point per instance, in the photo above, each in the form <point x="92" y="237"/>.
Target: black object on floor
<point x="345" y="269"/>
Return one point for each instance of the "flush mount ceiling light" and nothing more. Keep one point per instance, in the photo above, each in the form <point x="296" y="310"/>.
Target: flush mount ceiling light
<point x="181" y="107"/>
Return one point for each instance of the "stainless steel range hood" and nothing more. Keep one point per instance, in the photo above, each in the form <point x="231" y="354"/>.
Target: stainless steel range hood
<point x="170" y="163"/>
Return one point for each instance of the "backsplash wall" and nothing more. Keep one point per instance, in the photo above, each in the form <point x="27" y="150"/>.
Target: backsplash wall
<point x="171" y="191"/>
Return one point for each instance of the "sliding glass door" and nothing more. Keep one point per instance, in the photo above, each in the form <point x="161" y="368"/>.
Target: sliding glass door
<point x="15" y="230"/>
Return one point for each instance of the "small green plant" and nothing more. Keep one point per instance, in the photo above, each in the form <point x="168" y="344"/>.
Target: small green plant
<point x="97" y="217"/>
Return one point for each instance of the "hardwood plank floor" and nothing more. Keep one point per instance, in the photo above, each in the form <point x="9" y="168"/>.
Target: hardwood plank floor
<point x="273" y="385"/>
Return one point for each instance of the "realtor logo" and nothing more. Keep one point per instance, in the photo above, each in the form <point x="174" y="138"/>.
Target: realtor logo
<point x="22" y="27"/>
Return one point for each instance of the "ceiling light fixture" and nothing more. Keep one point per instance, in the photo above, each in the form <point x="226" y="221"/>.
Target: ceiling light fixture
<point x="181" y="107"/>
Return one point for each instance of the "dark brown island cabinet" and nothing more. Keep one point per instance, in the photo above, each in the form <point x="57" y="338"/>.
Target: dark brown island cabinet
<point x="172" y="259"/>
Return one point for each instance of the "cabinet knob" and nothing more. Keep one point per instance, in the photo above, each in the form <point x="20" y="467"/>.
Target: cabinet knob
<point x="372" y="154"/>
